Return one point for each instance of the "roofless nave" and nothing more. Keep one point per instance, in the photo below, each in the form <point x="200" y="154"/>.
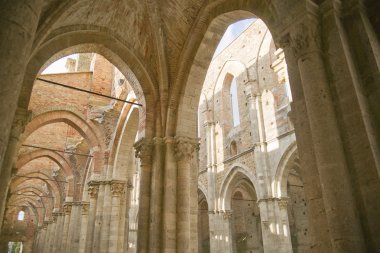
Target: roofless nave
<point x="270" y="146"/>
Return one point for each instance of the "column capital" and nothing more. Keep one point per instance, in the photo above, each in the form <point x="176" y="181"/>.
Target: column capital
<point x="185" y="147"/>
<point x="227" y="214"/>
<point x="117" y="188"/>
<point x="143" y="150"/>
<point x="67" y="207"/>
<point x="85" y="206"/>
<point x="93" y="189"/>
<point x="158" y="141"/>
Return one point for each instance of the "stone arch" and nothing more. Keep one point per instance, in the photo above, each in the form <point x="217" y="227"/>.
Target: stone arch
<point x="58" y="159"/>
<point x="85" y="128"/>
<point x="81" y="39"/>
<point x="212" y="21"/>
<point x="39" y="208"/>
<point x="43" y="205"/>
<point x="122" y="154"/>
<point x="235" y="174"/>
<point x="51" y="183"/>
<point x="279" y="184"/>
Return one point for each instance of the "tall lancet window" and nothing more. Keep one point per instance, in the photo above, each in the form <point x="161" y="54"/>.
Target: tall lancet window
<point x="234" y="103"/>
<point x="21" y="215"/>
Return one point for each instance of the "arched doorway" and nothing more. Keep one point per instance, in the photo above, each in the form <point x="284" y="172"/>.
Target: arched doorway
<point x="246" y="228"/>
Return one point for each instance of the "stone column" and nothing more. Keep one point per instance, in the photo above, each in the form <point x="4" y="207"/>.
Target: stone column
<point x="41" y="241"/>
<point x="21" y="118"/>
<point x="221" y="231"/>
<point x="58" y="237"/>
<point x="18" y="24"/>
<point x="117" y="189"/>
<point x="83" y="227"/>
<point x="93" y="190"/>
<point x="345" y="233"/>
<point x="48" y="237"/>
<point x="274" y="225"/>
<point x="169" y="230"/>
<point x="184" y="151"/>
<point x="53" y="241"/>
<point x="98" y="219"/>
<point x="126" y="218"/>
<point x="65" y="242"/>
<point x="37" y="241"/>
<point x="211" y="164"/>
<point x="106" y="218"/>
<point x="144" y="153"/>
<point x="318" y="232"/>
<point x="156" y="199"/>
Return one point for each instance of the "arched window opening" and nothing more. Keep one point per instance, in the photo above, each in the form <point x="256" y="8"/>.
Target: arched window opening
<point x="234" y="103"/>
<point x="21" y="215"/>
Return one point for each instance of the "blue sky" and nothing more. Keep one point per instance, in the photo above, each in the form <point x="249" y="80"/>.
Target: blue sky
<point x="232" y="32"/>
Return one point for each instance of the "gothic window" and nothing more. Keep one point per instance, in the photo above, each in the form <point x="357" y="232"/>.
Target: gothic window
<point x="21" y="215"/>
<point x="234" y="103"/>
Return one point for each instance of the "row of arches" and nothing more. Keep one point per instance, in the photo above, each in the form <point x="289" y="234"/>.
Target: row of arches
<point x="242" y="215"/>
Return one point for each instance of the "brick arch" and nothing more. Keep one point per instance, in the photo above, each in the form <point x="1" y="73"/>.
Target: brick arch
<point x="55" y="157"/>
<point x="54" y="188"/>
<point x="88" y="130"/>
<point x="30" y="189"/>
<point x="45" y="202"/>
<point x="84" y="39"/>
<point x="34" y="205"/>
<point x="207" y="31"/>
<point x="234" y="175"/>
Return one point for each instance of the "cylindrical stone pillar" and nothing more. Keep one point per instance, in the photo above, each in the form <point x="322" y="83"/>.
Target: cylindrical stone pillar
<point x="318" y="232"/>
<point x="144" y="153"/>
<point x="156" y="199"/>
<point x="18" y="24"/>
<point x="169" y="229"/>
<point x="65" y="242"/>
<point x="83" y="227"/>
<point x="345" y="233"/>
<point x="185" y="149"/>
<point x="117" y="189"/>
<point x="93" y="190"/>
<point x="106" y="219"/>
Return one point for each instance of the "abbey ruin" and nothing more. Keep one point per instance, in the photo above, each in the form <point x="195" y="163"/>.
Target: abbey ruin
<point x="153" y="140"/>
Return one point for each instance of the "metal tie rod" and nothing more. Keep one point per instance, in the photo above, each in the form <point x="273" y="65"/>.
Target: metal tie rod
<point x="56" y="150"/>
<point x="87" y="91"/>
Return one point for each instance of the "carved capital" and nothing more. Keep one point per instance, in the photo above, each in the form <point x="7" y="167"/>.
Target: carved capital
<point x="117" y="188"/>
<point x="227" y="214"/>
<point x="143" y="150"/>
<point x="67" y="208"/>
<point x="85" y="206"/>
<point x="55" y="216"/>
<point x="185" y="148"/>
<point x="93" y="190"/>
<point x="304" y="38"/>
<point x="282" y="203"/>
